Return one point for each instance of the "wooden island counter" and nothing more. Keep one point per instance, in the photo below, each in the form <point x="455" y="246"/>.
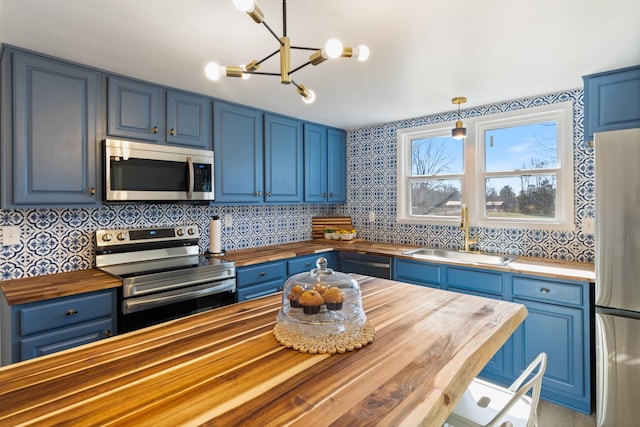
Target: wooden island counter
<point x="224" y="367"/>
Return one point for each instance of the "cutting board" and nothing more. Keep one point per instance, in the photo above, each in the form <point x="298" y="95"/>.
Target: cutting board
<point x="321" y="223"/>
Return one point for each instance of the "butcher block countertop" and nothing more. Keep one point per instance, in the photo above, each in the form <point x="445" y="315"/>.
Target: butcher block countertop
<point x="224" y="367"/>
<point x="524" y="265"/>
<point x="39" y="288"/>
<point x="31" y="289"/>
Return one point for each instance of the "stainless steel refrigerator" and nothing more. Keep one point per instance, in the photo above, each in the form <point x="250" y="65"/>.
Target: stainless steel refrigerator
<point x="617" y="300"/>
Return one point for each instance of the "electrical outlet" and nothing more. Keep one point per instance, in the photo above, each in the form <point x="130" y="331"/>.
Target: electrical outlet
<point x="228" y="220"/>
<point x="372" y="217"/>
<point x="589" y="226"/>
<point x="9" y="235"/>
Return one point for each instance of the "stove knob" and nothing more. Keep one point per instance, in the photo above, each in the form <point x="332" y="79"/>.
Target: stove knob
<point x="180" y="232"/>
<point x="191" y="231"/>
<point x="107" y="237"/>
<point x="122" y="236"/>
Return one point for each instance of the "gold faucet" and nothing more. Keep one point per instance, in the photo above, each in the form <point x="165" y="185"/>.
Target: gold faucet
<point x="464" y="225"/>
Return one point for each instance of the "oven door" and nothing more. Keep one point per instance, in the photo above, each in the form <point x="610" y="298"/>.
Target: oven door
<point x="142" y="311"/>
<point x="139" y="171"/>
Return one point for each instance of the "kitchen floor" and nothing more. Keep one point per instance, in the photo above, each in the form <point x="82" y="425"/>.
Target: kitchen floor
<point x="551" y="415"/>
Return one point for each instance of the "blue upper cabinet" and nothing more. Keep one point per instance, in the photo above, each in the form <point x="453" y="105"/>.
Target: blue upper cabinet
<point x="188" y="119"/>
<point x="315" y="163"/>
<point x="336" y="165"/>
<point x="49" y="125"/>
<point x="283" y="166"/>
<point x="139" y="110"/>
<point x="611" y="101"/>
<point x="239" y="154"/>
<point x="325" y="164"/>
<point x="134" y="110"/>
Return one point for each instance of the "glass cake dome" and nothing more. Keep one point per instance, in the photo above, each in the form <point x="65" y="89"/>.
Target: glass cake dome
<point x="320" y="303"/>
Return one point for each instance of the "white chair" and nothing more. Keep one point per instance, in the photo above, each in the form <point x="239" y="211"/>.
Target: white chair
<point x="487" y="404"/>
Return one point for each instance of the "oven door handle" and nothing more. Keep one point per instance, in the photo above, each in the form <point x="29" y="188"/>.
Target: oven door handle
<point x="157" y="300"/>
<point x="191" y="177"/>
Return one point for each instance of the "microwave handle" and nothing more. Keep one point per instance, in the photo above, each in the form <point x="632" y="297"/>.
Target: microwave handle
<point x="191" y="178"/>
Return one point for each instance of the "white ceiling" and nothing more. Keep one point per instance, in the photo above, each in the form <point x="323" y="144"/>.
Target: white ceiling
<point x="423" y="52"/>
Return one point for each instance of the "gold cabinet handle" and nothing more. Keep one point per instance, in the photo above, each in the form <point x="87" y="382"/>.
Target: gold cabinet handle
<point x="545" y="290"/>
<point x="71" y="312"/>
<point x="262" y="273"/>
<point x="172" y="132"/>
<point x="92" y="191"/>
<point x="258" y="193"/>
<point x="324" y="195"/>
<point x="268" y="193"/>
<point x="155" y="129"/>
<point x="107" y="333"/>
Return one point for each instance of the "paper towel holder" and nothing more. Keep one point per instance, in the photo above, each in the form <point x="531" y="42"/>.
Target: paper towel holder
<point x="210" y="253"/>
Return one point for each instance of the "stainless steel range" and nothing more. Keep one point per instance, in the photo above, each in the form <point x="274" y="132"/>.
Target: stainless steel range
<point x="163" y="274"/>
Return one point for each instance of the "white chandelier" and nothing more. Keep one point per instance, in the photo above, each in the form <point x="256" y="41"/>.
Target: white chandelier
<point x="332" y="49"/>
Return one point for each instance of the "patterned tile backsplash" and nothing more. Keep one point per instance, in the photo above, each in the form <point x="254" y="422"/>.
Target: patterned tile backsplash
<point x="59" y="240"/>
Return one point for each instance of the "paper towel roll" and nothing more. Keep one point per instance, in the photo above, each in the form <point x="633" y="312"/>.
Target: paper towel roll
<point x="215" y="235"/>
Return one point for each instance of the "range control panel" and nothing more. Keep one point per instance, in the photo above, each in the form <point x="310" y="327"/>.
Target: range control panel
<point x="143" y="235"/>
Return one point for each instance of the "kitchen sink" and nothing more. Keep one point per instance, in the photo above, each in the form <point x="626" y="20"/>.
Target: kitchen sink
<point x="461" y="256"/>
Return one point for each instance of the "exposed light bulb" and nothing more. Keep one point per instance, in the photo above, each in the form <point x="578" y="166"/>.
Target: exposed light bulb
<point x="244" y="5"/>
<point x="362" y="52"/>
<point x="311" y="96"/>
<point x="213" y="71"/>
<point x="245" y="75"/>
<point x="333" y="48"/>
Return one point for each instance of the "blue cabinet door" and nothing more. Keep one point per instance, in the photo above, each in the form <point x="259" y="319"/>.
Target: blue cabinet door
<point x="239" y="154"/>
<point x="135" y="110"/>
<point x="558" y="331"/>
<point x="315" y="163"/>
<point x="336" y="166"/>
<point x="611" y="101"/>
<point x="189" y="120"/>
<point x="55" y="133"/>
<point x="282" y="159"/>
<point x="325" y="167"/>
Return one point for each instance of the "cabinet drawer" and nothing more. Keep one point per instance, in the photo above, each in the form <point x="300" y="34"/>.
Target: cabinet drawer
<point x="482" y="281"/>
<point x="247" y="276"/>
<point x="547" y="291"/>
<point x="62" y="312"/>
<point x="62" y="339"/>
<point x="308" y="262"/>
<point x="259" y="290"/>
<point x="417" y="272"/>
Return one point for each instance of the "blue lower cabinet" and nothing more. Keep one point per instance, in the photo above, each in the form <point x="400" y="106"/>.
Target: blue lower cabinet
<point x="45" y="327"/>
<point x="306" y="263"/>
<point x="260" y="279"/>
<point x="558" y="324"/>
<point x="417" y="272"/>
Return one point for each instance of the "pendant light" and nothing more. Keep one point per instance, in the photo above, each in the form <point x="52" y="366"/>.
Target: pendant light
<point x="459" y="132"/>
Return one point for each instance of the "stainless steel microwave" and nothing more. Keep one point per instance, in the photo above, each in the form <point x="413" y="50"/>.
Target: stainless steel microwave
<point x="137" y="171"/>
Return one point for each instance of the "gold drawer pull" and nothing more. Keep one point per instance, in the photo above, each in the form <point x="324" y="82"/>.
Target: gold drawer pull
<point x="545" y="290"/>
<point x="71" y="312"/>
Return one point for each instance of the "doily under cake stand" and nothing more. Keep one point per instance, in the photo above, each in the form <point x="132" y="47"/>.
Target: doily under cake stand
<point x="339" y="343"/>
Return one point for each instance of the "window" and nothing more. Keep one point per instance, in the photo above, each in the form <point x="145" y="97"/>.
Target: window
<point x="514" y="169"/>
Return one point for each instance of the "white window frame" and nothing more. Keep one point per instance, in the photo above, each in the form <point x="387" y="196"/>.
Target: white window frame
<point x="474" y="174"/>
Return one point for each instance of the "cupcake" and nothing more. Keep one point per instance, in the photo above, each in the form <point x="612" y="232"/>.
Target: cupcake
<point x="333" y="299"/>
<point x="294" y="295"/>
<point x="320" y="288"/>
<point x="311" y="302"/>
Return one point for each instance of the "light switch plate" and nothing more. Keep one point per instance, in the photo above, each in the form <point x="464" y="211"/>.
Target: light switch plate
<point x="589" y="226"/>
<point x="9" y="235"/>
